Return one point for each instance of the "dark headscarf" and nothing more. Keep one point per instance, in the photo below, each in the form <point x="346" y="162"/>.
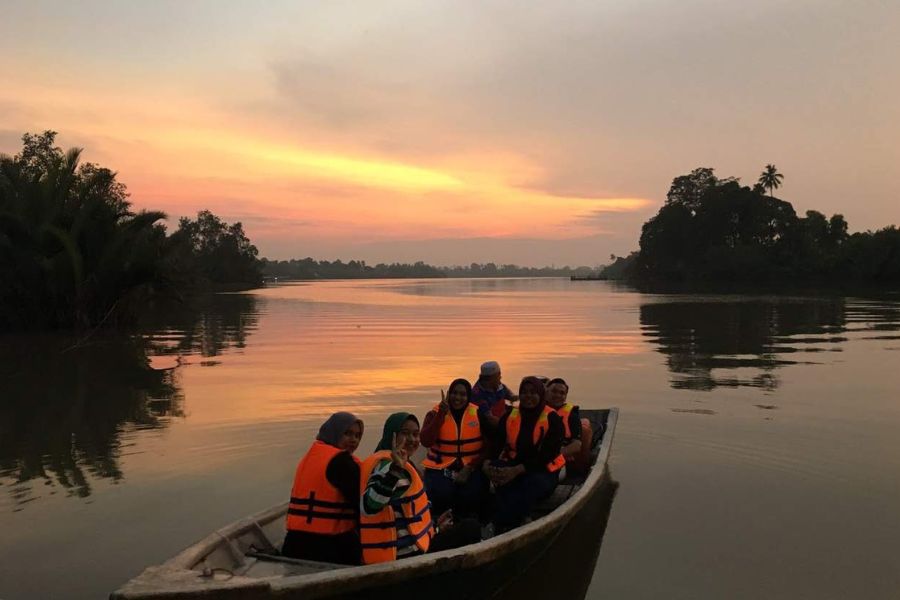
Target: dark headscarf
<point x="538" y="385"/>
<point x="337" y="424"/>
<point x="391" y="427"/>
<point x="465" y="383"/>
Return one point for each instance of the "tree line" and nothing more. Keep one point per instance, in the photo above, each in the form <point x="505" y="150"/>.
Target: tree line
<point x="310" y="268"/>
<point x="74" y="255"/>
<point x="716" y="229"/>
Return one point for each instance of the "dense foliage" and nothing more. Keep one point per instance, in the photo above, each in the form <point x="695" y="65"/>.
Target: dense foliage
<point x="73" y="254"/>
<point x="309" y="268"/>
<point x="215" y="253"/>
<point x="717" y="229"/>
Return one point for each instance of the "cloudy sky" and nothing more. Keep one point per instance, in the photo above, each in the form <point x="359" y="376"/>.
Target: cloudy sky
<point x="527" y="132"/>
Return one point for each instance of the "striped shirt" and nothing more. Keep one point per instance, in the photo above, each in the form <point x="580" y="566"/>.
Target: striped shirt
<point x="386" y="484"/>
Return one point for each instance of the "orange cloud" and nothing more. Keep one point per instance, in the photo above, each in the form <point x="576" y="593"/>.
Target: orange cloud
<point x="178" y="155"/>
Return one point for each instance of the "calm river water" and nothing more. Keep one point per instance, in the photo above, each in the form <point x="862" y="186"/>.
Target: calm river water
<point x="758" y="447"/>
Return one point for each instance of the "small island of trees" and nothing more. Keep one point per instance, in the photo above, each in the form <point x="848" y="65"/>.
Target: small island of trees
<point x="715" y="229"/>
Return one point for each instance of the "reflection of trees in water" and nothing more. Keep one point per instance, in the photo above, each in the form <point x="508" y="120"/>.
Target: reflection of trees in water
<point x="701" y="336"/>
<point x="205" y="326"/>
<point x="875" y="316"/>
<point x="64" y="409"/>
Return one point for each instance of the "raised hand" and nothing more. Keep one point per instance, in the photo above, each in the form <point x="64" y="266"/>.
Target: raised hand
<point x="398" y="452"/>
<point x="444" y="406"/>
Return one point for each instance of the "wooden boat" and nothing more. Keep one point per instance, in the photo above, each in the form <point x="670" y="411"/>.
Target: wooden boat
<point x="241" y="561"/>
<point x="588" y="277"/>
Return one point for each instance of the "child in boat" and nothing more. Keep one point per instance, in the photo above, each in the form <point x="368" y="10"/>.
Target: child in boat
<point x="323" y="512"/>
<point x="576" y="447"/>
<point x="527" y="471"/>
<point x="453" y="432"/>
<point x="395" y="518"/>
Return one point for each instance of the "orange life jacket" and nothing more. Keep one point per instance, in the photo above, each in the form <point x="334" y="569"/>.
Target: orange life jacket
<point x="378" y="532"/>
<point x="514" y="424"/>
<point x="316" y="505"/>
<point x="463" y="443"/>
<point x="564" y="411"/>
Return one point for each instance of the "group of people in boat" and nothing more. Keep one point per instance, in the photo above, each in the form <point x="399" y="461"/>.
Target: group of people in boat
<point x="491" y="457"/>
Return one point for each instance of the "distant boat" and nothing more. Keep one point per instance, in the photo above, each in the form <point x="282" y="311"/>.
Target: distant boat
<point x="242" y="561"/>
<point x="596" y="277"/>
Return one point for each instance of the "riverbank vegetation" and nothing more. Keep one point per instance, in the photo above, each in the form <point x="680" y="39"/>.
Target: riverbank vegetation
<point x="75" y="255"/>
<point x="309" y="268"/>
<point x="715" y="229"/>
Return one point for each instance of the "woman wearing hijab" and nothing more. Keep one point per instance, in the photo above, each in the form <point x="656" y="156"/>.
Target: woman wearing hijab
<point x="395" y="520"/>
<point x="528" y="470"/>
<point x="323" y="512"/>
<point x="453" y="433"/>
<point x="395" y="517"/>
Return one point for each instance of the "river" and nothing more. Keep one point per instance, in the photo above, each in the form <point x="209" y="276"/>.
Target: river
<point x="757" y="452"/>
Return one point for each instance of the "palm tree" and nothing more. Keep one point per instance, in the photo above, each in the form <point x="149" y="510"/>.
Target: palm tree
<point x="72" y="252"/>
<point x="770" y="179"/>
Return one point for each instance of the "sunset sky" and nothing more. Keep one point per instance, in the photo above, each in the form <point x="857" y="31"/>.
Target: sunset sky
<point x="527" y="132"/>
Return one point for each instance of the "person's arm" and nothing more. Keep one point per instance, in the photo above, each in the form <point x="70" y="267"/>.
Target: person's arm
<point x="343" y="473"/>
<point x="575" y="423"/>
<point x="573" y="448"/>
<point x="428" y="436"/>
<point x="497" y="437"/>
<point x="384" y="482"/>
<point x="510" y="396"/>
<point x="549" y="448"/>
<point x="487" y="442"/>
<point x="480" y="402"/>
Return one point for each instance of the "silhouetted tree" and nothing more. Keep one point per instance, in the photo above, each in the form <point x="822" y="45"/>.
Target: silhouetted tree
<point x="771" y="179"/>
<point x="711" y="228"/>
<point x="687" y="190"/>
<point x="72" y="253"/>
<point x="218" y="253"/>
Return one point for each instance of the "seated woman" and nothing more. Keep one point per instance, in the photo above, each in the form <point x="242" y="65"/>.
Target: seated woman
<point x="453" y="433"/>
<point x="528" y="470"/>
<point x="322" y="516"/>
<point x="578" y="432"/>
<point x="395" y="520"/>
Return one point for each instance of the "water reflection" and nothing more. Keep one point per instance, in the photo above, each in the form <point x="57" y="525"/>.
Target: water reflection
<point x="715" y="341"/>
<point x="373" y="346"/>
<point x="204" y="326"/>
<point x="68" y="408"/>
<point x="64" y="409"/>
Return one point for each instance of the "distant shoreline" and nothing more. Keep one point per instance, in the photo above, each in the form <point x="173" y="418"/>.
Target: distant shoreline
<point x="310" y="269"/>
<point x="268" y="279"/>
